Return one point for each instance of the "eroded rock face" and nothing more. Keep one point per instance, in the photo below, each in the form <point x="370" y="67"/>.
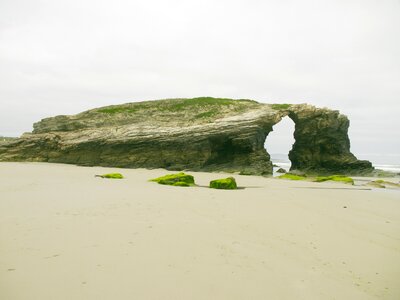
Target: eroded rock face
<point x="321" y="143"/>
<point x="198" y="134"/>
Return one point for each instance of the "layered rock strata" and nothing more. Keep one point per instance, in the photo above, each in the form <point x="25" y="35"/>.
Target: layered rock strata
<point x="206" y="134"/>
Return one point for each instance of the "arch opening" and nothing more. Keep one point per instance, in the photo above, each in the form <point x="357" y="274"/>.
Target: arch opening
<point x="279" y="142"/>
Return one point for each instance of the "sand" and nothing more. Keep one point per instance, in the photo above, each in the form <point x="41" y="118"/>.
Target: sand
<point x="65" y="234"/>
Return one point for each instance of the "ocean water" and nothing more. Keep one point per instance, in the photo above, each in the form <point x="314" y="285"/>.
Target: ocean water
<point x="282" y="161"/>
<point x="386" y="162"/>
<point x="383" y="162"/>
<point x="391" y="168"/>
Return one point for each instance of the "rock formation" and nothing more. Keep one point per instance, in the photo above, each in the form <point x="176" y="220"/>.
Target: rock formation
<point x="207" y="134"/>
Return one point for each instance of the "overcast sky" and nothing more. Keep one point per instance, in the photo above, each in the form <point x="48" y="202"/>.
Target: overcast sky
<point x="63" y="57"/>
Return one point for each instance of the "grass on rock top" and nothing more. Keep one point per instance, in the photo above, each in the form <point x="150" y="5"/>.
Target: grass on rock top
<point x="176" y="105"/>
<point x="116" y="110"/>
<point x="280" y="106"/>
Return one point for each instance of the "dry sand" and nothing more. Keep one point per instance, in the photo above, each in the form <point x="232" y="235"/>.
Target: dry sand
<point x="65" y="234"/>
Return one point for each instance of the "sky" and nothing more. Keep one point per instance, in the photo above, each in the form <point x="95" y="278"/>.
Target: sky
<point x="63" y="57"/>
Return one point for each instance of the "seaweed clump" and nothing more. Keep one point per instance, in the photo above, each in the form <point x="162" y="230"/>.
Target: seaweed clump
<point x="383" y="184"/>
<point x="338" y="178"/>
<point x="292" y="176"/>
<point x="179" y="179"/>
<point x="376" y="184"/>
<point x="224" y="184"/>
<point x="111" y="176"/>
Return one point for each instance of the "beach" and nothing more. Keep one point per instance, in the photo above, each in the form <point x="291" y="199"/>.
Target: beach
<point x="65" y="234"/>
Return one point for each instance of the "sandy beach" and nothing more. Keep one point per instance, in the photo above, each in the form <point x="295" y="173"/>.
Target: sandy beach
<point x="65" y="234"/>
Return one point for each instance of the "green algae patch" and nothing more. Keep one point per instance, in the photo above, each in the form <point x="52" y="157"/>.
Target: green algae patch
<point x="392" y="184"/>
<point x="178" y="179"/>
<point x="337" y="178"/>
<point x="292" y="177"/>
<point x="383" y="184"/>
<point x="111" y="176"/>
<point x="376" y="184"/>
<point x="224" y="184"/>
<point x="181" y="183"/>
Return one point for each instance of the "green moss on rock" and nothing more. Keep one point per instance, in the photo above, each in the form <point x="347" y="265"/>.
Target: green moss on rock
<point x="181" y="183"/>
<point x="292" y="176"/>
<point x="383" y="184"/>
<point x="224" y="184"/>
<point x="376" y="184"/>
<point x="338" y="178"/>
<point x="178" y="179"/>
<point x="111" y="176"/>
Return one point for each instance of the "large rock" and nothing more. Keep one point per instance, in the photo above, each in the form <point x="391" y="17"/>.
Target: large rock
<point x="206" y="134"/>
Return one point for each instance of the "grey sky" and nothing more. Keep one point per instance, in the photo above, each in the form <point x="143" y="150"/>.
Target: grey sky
<point x="63" y="57"/>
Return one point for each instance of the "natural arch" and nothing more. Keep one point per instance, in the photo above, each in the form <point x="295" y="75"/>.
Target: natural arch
<point x="280" y="141"/>
<point x="204" y="134"/>
<point x="321" y="143"/>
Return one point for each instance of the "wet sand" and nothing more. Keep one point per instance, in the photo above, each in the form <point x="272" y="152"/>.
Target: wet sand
<point x="65" y="234"/>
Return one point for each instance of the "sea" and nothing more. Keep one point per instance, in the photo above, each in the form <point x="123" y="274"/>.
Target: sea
<point x="387" y="162"/>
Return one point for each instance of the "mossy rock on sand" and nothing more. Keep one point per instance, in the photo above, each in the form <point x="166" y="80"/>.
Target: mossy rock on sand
<point x="181" y="183"/>
<point x="292" y="176"/>
<point x="383" y="184"/>
<point x="179" y="179"/>
<point x="224" y="184"/>
<point x="338" y="178"/>
<point x="376" y="184"/>
<point x="111" y="176"/>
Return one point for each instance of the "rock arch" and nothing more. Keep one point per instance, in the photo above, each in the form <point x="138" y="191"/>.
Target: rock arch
<point x="280" y="141"/>
<point x="321" y="143"/>
<point x="205" y="134"/>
